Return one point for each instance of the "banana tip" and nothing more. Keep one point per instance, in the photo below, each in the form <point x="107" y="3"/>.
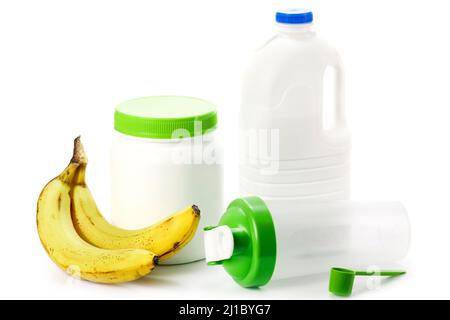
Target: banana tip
<point x="156" y="260"/>
<point x="196" y="210"/>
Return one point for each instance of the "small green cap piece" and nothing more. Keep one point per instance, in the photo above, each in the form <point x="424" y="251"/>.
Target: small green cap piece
<point x="341" y="280"/>
<point x="255" y="249"/>
<point x="165" y="117"/>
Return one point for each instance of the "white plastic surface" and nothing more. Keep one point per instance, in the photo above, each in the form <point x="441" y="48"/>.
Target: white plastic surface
<point x="219" y="244"/>
<point x="153" y="178"/>
<point x="314" y="236"/>
<point x="286" y="150"/>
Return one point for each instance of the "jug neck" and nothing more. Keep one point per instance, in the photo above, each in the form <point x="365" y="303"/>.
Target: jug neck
<point x="295" y="30"/>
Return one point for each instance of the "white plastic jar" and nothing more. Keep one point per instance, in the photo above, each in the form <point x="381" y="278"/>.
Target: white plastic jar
<point x="165" y="157"/>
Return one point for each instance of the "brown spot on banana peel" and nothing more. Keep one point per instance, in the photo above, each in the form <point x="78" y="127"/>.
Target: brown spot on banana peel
<point x="59" y="202"/>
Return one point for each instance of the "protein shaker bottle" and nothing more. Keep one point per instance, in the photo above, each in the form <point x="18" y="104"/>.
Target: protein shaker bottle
<point x="256" y="243"/>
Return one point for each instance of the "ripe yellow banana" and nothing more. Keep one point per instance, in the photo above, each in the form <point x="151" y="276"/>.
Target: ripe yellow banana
<point x="69" y="251"/>
<point x="164" y="238"/>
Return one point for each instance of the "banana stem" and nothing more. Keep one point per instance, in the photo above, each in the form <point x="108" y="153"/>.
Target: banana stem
<point x="79" y="156"/>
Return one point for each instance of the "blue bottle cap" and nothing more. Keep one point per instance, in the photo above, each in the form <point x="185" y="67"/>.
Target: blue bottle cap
<point x="294" y="16"/>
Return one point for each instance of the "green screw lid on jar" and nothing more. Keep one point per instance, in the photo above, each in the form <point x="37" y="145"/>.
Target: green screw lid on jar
<point x="165" y="117"/>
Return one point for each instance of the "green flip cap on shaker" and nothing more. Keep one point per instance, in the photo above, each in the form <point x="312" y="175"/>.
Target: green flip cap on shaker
<point x="244" y="242"/>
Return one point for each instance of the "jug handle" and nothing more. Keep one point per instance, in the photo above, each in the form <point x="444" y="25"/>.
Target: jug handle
<point x="339" y="95"/>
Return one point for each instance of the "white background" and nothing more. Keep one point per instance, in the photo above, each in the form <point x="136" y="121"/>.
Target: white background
<point x="64" y="65"/>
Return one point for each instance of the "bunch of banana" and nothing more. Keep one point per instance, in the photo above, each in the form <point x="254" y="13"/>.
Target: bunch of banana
<point x="78" y="239"/>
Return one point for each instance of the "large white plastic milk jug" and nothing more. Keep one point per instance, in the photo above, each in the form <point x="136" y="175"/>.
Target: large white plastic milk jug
<point x="291" y="145"/>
